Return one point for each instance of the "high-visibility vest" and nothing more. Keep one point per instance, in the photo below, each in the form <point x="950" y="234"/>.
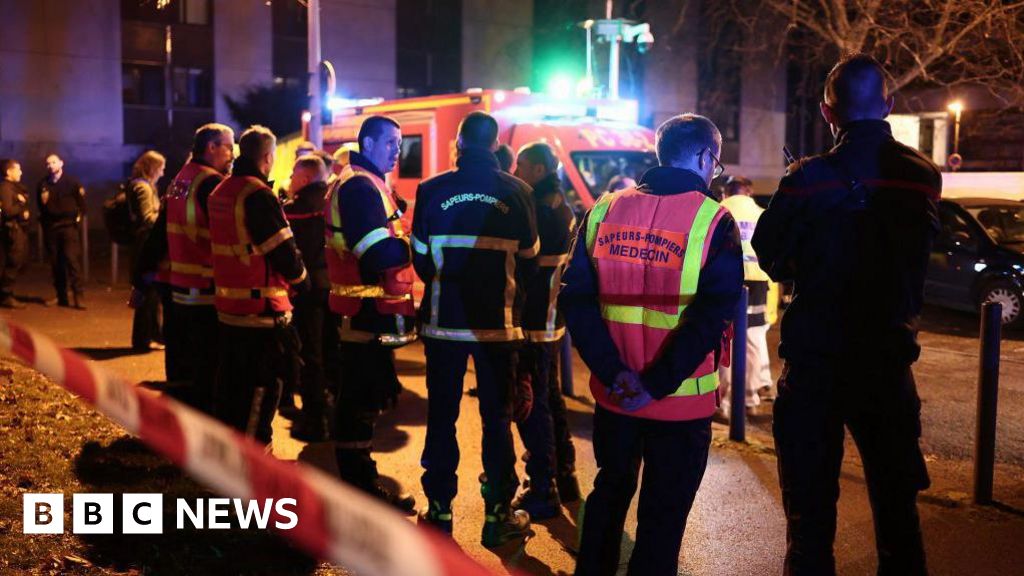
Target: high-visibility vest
<point x="648" y="252"/>
<point x="746" y="212"/>
<point x="245" y="284"/>
<point x="188" y="236"/>
<point x="392" y="293"/>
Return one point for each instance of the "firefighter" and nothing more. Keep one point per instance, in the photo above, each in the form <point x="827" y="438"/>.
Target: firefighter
<point x="255" y="264"/>
<point x="193" y="344"/>
<point x="544" y="327"/>
<point x="61" y="199"/>
<point x="652" y="345"/>
<point x="305" y="212"/>
<point x="853" y="229"/>
<point x="371" y="276"/>
<point x="13" y="236"/>
<point x="475" y="243"/>
<point x="737" y="198"/>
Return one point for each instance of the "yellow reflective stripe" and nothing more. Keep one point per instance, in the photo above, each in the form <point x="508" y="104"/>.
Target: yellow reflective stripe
<point x="545" y="335"/>
<point x="551" y="261"/>
<point x="370" y="240"/>
<point x="640" y="315"/>
<point x="481" y="242"/>
<point x="274" y="241"/>
<point x="697" y="386"/>
<point x="365" y="291"/>
<point x="191" y="231"/>
<point x="251" y="293"/>
<point x="230" y="249"/>
<point x="470" y="335"/>
<point x="419" y="246"/>
<point x="192" y="299"/>
<point x="241" y="232"/>
<point x="692" y="260"/>
<point x="300" y="278"/>
<point x="196" y="269"/>
<point x="596" y="216"/>
<point x="531" y="251"/>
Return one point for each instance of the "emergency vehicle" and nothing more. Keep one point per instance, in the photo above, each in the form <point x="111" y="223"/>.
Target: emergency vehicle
<point x="594" y="140"/>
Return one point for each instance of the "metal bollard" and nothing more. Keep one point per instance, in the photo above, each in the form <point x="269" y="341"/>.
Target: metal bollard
<point x="566" y="366"/>
<point x="113" y="263"/>
<point x="737" y="422"/>
<point x="85" y="248"/>
<point x="988" y="397"/>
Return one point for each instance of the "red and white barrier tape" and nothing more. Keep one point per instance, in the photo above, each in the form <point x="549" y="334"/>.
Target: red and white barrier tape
<point x="336" y="522"/>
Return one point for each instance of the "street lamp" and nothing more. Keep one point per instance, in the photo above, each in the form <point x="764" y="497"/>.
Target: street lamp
<point x="956" y="107"/>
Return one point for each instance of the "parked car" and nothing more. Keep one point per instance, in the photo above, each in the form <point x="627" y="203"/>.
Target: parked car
<point x="978" y="257"/>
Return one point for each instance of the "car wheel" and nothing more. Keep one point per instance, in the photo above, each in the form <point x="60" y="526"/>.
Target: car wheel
<point x="1010" y="297"/>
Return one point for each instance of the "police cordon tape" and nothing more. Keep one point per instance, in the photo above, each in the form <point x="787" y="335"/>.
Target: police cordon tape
<point x="336" y="522"/>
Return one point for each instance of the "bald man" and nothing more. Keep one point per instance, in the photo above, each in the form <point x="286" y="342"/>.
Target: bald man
<point x="852" y="228"/>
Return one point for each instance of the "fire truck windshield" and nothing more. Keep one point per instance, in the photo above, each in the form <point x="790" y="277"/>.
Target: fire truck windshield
<point x="597" y="168"/>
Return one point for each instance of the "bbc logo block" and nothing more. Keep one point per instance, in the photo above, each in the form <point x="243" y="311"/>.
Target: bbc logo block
<point x="93" y="514"/>
<point x="43" y="514"/>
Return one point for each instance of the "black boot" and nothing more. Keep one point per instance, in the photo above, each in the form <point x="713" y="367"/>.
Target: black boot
<point x="437" y="514"/>
<point x="503" y="524"/>
<point x="568" y="488"/>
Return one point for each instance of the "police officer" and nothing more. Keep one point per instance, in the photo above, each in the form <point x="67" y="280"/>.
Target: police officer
<point x="61" y="200"/>
<point x="852" y="228"/>
<point x="305" y="212"/>
<point x="184" y="228"/>
<point x="737" y="198"/>
<point x="255" y="264"/>
<point x="475" y="242"/>
<point x="369" y="262"/>
<point x="653" y="345"/>
<point x="544" y="327"/>
<point x="13" y="237"/>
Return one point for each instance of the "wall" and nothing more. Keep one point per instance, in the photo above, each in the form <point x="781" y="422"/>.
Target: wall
<point x="235" y="25"/>
<point x="60" y="89"/>
<point x="497" y="46"/>
<point x="358" y="37"/>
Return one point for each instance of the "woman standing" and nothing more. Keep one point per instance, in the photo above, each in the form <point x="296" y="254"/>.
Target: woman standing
<point x="144" y="206"/>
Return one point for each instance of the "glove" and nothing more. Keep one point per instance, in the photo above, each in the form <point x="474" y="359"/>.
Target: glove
<point x="522" y="396"/>
<point x="626" y="384"/>
<point x="636" y="401"/>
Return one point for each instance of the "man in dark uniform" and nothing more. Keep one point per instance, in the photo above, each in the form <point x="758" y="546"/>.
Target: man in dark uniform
<point x="255" y="265"/>
<point x="13" y="237"/>
<point x="61" y="200"/>
<point x="305" y="213"/>
<point x="552" y="455"/>
<point x="852" y="228"/>
<point x="370" y="268"/>
<point x="475" y="245"/>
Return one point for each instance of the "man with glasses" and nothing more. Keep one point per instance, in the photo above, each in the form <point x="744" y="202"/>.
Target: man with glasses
<point x="653" y="346"/>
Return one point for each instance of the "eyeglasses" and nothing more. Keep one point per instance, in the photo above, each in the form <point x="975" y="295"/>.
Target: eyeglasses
<point x="719" y="169"/>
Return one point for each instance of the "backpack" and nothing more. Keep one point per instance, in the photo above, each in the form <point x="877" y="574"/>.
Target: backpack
<point x="117" y="217"/>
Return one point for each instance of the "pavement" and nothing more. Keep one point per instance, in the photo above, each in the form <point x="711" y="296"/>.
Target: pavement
<point x="737" y="525"/>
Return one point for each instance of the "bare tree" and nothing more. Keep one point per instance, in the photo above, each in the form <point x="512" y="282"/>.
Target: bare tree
<point x="920" y="42"/>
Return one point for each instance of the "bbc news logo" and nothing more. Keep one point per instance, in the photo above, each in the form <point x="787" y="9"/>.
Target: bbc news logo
<point x="144" y="513"/>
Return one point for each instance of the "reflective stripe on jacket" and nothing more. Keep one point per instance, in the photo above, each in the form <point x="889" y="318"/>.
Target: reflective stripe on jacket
<point x="391" y="295"/>
<point x="245" y="284"/>
<point x="188" y="236"/>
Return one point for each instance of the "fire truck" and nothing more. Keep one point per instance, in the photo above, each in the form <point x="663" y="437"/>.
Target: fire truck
<point x="594" y="139"/>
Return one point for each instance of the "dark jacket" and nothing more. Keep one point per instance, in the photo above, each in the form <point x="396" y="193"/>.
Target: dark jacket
<point x="305" y="214"/>
<point x="704" y="319"/>
<point x="143" y="205"/>
<point x="65" y="202"/>
<point x="13" y="202"/>
<point x="858" y="267"/>
<point x="554" y="226"/>
<point x="475" y="232"/>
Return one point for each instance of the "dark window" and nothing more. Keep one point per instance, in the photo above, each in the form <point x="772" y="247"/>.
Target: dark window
<point x="410" y="163"/>
<point x="428" y="63"/>
<point x="142" y="84"/>
<point x="193" y="87"/>
<point x="196" y="12"/>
